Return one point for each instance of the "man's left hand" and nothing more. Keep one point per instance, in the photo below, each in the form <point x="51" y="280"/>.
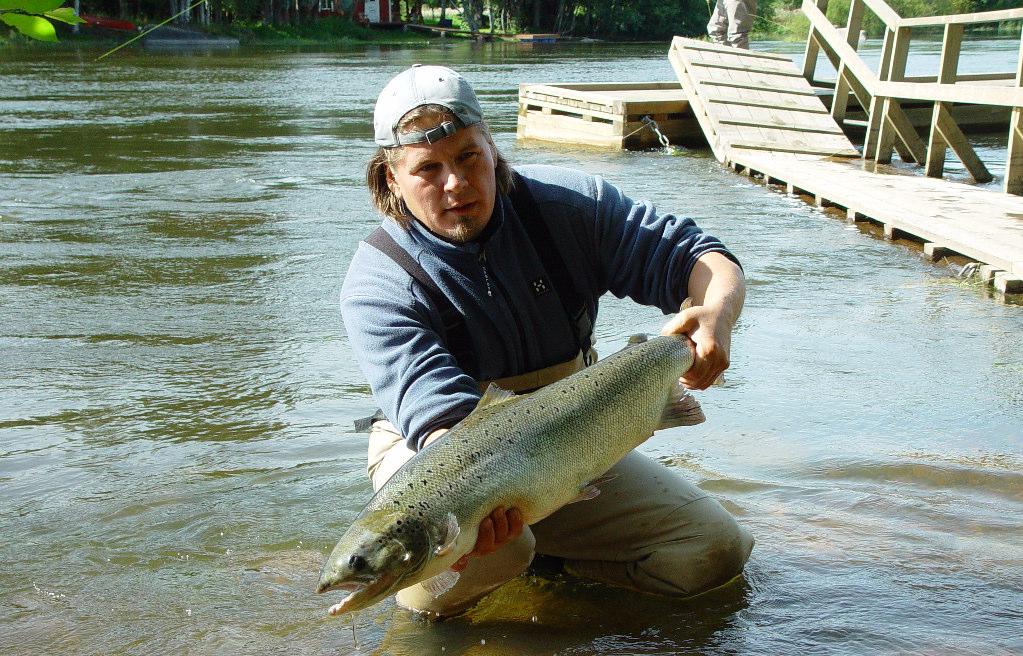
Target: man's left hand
<point x="717" y="290"/>
<point x="710" y="339"/>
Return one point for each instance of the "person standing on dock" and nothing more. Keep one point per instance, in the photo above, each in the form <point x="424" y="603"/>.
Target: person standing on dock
<point x="731" y="21"/>
<point x="486" y="274"/>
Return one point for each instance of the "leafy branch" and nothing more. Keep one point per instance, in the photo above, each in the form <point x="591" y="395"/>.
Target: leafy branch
<point x="32" y="17"/>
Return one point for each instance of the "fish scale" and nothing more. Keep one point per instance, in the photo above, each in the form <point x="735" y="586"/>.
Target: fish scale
<point x="535" y="452"/>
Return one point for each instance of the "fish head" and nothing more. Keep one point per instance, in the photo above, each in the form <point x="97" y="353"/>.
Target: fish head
<point x="372" y="558"/>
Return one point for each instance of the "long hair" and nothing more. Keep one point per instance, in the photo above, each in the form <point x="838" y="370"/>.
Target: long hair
<point x="386" y="200"/>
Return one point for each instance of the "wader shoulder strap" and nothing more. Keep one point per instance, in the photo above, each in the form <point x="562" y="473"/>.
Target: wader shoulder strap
<point x="553" y="263"/>
<point x="456" y="332"/>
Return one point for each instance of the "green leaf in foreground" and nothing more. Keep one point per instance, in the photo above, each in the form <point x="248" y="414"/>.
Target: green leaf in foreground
<point x="31" y="26"/>
<point x="64" y="15"/>
<point x="31" y="6"/>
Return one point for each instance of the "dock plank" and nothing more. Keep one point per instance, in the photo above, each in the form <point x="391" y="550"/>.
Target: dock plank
<point x="979" y="223"/>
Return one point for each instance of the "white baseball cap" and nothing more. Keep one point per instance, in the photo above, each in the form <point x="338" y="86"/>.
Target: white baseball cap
<point x="418" y="86"/>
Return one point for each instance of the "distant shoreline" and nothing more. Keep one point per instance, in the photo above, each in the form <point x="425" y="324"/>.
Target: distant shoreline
<point x="326" y="31"/>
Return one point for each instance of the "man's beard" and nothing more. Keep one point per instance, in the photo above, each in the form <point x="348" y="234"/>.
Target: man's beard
<point x="466" y="230"/>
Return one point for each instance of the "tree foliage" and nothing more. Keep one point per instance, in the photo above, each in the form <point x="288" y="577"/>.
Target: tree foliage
<point x="622" y="19"/>
<point x="33" y="17"/>
<point x="783" y="18"/>
<point x="607" y="19"/>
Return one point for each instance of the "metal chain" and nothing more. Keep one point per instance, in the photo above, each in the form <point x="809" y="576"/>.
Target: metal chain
<point x="652" y="124"/>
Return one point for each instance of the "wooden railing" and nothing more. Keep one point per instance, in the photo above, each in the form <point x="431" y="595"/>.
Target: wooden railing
<point x="888" y="128"/>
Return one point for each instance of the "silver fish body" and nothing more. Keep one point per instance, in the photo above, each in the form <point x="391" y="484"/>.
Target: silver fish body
<point x="534" y="452"/>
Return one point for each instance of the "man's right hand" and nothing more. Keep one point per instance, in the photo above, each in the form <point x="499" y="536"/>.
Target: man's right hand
<point x="498" y="528"/>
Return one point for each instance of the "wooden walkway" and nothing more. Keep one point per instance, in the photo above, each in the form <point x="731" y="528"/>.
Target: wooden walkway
<point x="761" y="117"/>
<point x="948" y="217"/>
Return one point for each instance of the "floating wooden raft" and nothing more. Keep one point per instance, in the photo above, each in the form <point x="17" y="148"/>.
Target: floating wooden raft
<point x="754" y="100"/>
<point x="605" y="115"/>
<point x="536" y="38"/>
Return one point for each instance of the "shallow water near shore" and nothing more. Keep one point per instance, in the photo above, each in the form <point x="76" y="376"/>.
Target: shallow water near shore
<point x="177" y="392"/>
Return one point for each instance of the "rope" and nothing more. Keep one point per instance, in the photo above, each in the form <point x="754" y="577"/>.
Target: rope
<point x="136" y="38"/>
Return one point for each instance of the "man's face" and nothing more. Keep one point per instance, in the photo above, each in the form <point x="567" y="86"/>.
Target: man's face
<point x="448" y="185"/>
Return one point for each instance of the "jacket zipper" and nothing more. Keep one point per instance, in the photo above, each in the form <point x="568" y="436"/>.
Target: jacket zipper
<point x="486" y="276"/>
<point x="504" y="296"/>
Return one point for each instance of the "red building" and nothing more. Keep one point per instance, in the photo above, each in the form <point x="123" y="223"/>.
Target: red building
<point x="374" y="12"/>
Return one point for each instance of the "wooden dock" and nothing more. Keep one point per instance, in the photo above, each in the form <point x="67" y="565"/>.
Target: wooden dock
<point x="888" y="129"/>
<point x="947" y="218"/>
<point x="764" y="117"/>
<point x="445" y="32"/>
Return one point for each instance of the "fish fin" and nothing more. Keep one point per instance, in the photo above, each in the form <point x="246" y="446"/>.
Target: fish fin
<point x="586" y="493"/>
<point x="638" y="338"/>
<point x="450" y="535"/>
<point x="493" y="396"/>
<point x="605" y="478"/>
<point x="441" y="583"/>
<point x="592" y="489"/>
<point x="682" y="409"/>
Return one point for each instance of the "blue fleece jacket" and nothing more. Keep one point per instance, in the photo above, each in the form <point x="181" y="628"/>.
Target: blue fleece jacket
<point x="609" y="242"/>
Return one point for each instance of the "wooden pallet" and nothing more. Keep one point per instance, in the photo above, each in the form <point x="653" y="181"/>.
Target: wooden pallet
<point x="751" y="100"/>
<point x="605" y="115"/>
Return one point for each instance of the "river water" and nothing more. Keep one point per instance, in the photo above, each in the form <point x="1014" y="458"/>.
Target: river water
<point x="177" y="392"/>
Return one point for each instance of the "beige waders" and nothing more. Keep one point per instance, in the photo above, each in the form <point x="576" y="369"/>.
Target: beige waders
<point x="731" y="22"/>
<point x="648" y="529"/>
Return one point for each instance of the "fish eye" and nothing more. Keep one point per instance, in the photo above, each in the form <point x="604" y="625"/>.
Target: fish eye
<point x="357" y="562"/>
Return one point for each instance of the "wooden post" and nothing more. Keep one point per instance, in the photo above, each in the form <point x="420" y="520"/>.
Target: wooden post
<point x="840" y="101"/>
<point x="951" y="46"/>
<point x="876" y="114"/>
<point x="895" y="127"/>
<point x="897" y="132"/>
<point x="949" y="133"/>
<point x="1014" y="158"/>
<point x="856" y="87"/>
<point x="900" y="53"/>
<point x="813" y="47"/>
<point x="934" y="252"/>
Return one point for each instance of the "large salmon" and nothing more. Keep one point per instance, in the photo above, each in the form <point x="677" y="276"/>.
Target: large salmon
<point x="534" y="452"/>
